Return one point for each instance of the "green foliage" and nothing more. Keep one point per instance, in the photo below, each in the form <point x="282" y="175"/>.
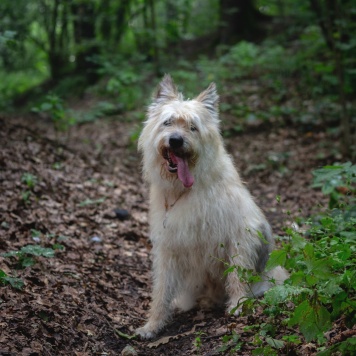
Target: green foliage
<point x="322" y="270"/>
<point x="88" y="201"/>
<point x="231" y="342"/>
<point x="61" y="117"/>
<point x="29" y="179"/>
<point x="25" y="256"/>
<point x="14" y="282"/>
<point x="197" y="343"/>
<point x="310" y="54"/>
<point x="337" y="181"/>
<point x="124" y="82"/>
<point x="347" y="347"/>
<point x="7" y="39"/>
<point x="16" y="83"/>
<point x="100" y="110"/>
<point x="321" y="287"/>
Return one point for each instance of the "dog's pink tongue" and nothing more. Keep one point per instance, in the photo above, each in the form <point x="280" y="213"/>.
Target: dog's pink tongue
<point x="184" y="174"/>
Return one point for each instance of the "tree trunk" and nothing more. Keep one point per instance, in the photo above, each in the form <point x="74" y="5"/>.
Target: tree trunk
<point x="329" y="17"/>
<point x="239" y="19"/>
<point x="84" y="35"/>
<point x="172" y="29"/>
<point x="56" y="26"/>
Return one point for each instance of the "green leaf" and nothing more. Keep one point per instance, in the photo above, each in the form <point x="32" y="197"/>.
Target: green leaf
<point x="277" y="344"/>
<point x="299" y="313"/>
<point x="319" y="268"/>
<point x="26" y="261"/>
<point x="332" y="287"/>
<point x="349" y="234"/>
<point x="262" y="237"/>
<point x="230" y="269"/>
<point x="311" y="280"/>
<point x="277" y="258"/>
<point x="298" y="241"/>
<point x="294" y="339"/>
<point x="281" y="293"/>
<point x="58" y="247"/>
<point x="10" y="254"/>
<point x="312" y="320"/>
<point x="264" y="351"/>
<point x="87" y="202"/>
<point x="309" y="251"/>
<point x="15" y="282"/>
<point x="297" y="277"/>
<point x="347" y="347"/>
<point x="36" y="250"/>
<point x="125" y="336"/>
<point x="46" y="106"/>
<point x="35" y="233"/>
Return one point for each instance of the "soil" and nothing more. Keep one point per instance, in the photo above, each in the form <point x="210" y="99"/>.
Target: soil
<point x="89" y="198"/>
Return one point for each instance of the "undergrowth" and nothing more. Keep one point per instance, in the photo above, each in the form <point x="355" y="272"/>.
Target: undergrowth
<point x="28" y="255"/>
<point x="320" y="293"/>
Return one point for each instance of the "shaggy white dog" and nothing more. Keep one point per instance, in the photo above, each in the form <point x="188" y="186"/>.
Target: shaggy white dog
<point x="201" y="215"/>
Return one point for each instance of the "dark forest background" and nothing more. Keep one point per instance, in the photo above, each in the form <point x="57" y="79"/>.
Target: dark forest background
<point x="114" y="50"/>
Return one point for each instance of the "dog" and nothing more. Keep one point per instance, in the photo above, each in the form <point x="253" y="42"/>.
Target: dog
<point x="202" y="217"/>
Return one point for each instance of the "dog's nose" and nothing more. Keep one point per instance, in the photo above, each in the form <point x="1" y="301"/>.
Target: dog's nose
<point x="176" y="141"/>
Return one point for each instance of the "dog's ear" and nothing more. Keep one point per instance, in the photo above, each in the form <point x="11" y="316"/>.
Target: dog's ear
<point x="166" y="90"/>
<point x="209" y="98"/>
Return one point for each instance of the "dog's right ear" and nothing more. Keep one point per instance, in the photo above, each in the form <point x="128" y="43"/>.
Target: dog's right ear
<point x="166" y="90"/>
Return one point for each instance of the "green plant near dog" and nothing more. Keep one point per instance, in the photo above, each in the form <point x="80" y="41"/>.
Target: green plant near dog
<point x="26" y="256"/>
<point x="321" y="288"/>
<point x="61" y="117"/>
<point x="198" y="343"/>
<point x="13" y="281"/>
<point x="337" y="181"/>
<point x="231" y="343"/>
<point x="30" y="180"/>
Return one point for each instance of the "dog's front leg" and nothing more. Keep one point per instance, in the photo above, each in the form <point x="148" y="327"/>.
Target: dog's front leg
<point x="236" y="291"/>
<point x="162" y="295"/>
<point x="235" y="288"/>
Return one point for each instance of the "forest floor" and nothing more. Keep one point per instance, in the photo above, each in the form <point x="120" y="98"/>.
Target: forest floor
<point x="95" y="291"/>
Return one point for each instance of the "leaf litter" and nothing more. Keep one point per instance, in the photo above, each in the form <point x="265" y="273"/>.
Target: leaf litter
<point x="89" y="197"/>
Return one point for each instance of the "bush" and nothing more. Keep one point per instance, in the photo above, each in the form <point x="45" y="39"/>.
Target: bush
<point x="321" y="289"/>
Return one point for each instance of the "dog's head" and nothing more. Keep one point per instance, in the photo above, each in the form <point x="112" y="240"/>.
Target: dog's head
<point x="178" y="133"/>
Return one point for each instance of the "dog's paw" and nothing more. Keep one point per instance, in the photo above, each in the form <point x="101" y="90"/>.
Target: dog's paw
<point x="146" y="332"/>
<point x="235" y="306"/>
<point x="234" y="310"/>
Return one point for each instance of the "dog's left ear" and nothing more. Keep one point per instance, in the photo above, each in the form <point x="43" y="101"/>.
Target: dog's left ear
<point x="210" y="98"/>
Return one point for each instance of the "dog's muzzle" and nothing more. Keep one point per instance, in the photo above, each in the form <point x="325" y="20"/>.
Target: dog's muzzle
<point x="177" y="159"/>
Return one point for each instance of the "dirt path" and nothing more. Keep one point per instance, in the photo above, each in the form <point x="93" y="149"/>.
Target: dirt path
<point x="98" y="284"/>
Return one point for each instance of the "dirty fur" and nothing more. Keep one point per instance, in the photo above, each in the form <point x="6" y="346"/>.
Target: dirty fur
<point x="201" y="215"/>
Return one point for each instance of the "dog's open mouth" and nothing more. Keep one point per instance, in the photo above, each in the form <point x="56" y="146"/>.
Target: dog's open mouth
<point x="178" y="164"/>
<point x="171" y="165"/>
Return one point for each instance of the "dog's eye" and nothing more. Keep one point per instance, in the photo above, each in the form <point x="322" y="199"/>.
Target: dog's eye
<point x="167" y="123"/>
<point x="193" y="128"/>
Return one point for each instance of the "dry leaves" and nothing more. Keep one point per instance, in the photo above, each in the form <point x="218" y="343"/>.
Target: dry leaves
<point x="100" y="282"/>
